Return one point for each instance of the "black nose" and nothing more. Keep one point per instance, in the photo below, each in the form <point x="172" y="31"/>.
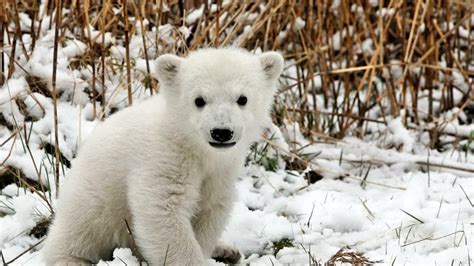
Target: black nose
<point x="222" y="134"/>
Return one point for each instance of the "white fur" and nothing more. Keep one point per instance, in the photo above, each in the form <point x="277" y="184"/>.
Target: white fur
<point x="152" y="164"/>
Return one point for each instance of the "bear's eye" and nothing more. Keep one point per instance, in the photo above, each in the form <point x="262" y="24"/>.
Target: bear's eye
<point x="242" y="100"/>
<point x="199" y="102"/>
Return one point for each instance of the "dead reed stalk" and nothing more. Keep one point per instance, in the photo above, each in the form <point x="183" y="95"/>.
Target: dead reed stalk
<point x="54" y="92"/>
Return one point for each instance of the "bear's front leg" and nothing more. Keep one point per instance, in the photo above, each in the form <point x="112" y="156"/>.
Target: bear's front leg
<point x="161" y="219"/>
<point x="208" y="226"/>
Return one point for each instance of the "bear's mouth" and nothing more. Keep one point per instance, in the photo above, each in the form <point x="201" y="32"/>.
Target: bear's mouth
<point x="221" y="145"/>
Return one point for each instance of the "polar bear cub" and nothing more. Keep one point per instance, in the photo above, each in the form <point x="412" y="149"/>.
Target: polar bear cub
<point x="166" y="168"/>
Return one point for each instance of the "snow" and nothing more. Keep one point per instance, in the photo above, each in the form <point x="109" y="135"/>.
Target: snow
<point x="74" y="48"/>
<point x="40" y="65"/>
<point x="335" y="5"/>
<point x="331" y="214"/>
<point x="401" y="136"/>
<point x="375" y="217"/>
<point x="374" y="3"/>
<point x="339" y="36"/>
<point x="194" y="15"/>
<point x="385" y="195"/>
<point x="96" y="36"/>
<point x="12" y="88"/>
<point x="368" y="47"/>
<point x="122" y="256"/>
<point x="299" y="23"/>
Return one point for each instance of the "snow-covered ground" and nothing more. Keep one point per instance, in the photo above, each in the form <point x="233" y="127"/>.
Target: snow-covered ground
<point x="385" y="198"/>
<point x="383" y="203"/>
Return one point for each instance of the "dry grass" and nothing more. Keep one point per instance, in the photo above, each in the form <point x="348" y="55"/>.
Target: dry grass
<point x="345" y="255"/>
<point x="411" y="35"/>
<point x="341" y="61"/>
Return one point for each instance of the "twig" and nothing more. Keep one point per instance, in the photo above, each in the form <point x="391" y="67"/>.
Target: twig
<point x="127" y="51"/>
<point x="54" y="93"/>
<point x="134" y="246"/>
<point x="431" y="238"/>
<point x="24" y="252"/>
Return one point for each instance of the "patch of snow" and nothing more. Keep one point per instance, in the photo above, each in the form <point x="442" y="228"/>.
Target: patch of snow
<point x="299" y="23"/>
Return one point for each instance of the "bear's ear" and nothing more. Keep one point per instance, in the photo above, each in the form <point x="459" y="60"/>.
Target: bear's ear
<point x="167" y="67"/>
<point x="272" y="64"/>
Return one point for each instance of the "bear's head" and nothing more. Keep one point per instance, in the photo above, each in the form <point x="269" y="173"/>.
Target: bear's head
<point x="220" y="98"/>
